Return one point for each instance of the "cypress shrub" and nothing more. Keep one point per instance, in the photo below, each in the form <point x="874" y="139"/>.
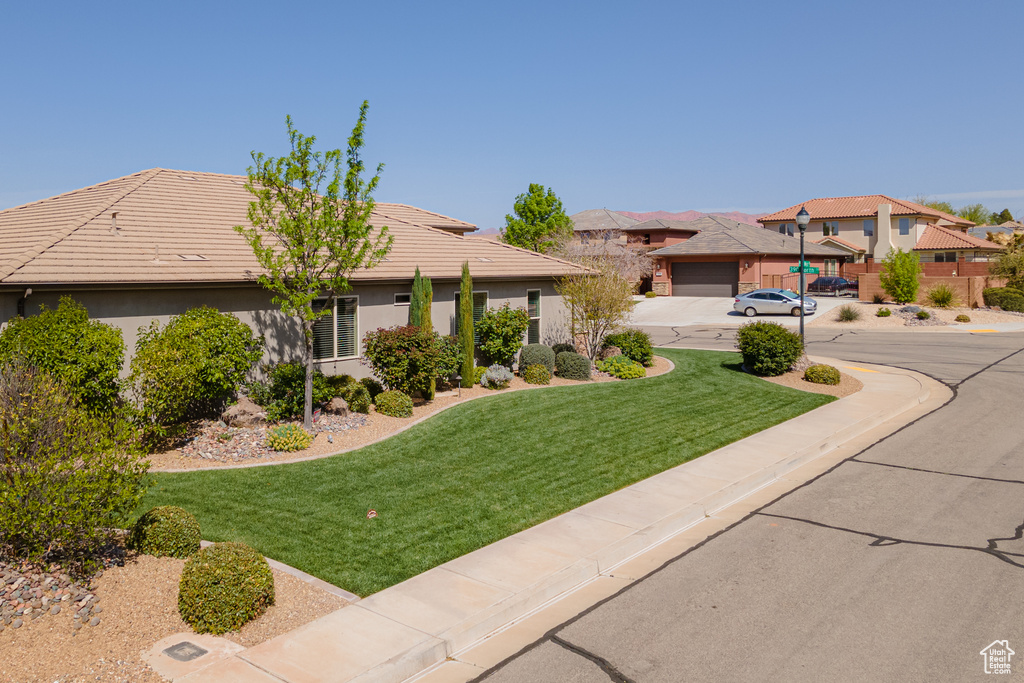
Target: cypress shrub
<point x="465" y="314"/>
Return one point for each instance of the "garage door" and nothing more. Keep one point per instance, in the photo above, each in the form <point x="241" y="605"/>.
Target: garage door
<point x="705" y="279"/>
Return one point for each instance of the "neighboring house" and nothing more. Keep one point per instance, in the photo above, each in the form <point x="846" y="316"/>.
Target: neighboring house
<point x="156" y="243"/>
<point x="1002" y="234"/>
<point x="866" y="227"/>
<point x="715" y="256"/>
<point x="944" y="245"/>
<point x="600" y="220"/>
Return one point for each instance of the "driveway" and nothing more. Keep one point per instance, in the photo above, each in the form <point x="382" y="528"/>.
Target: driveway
<point x="675" y="311"/>
<point x="901" y="563"/>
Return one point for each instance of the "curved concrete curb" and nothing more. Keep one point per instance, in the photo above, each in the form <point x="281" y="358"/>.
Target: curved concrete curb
<point x="423" y="622"/>
<point x="671" y="367"/>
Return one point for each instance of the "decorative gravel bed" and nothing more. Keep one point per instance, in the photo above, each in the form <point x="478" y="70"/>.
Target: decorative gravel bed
<point x="213" y="440"/>
<point x="939" y="317"/>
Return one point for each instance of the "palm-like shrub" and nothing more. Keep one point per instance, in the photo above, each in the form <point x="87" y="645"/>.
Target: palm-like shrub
<point x="941" y="296"/>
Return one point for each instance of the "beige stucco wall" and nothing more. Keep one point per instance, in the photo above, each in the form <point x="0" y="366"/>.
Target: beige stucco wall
<point x="130" y="309"/>
<point x="852" y="231"/>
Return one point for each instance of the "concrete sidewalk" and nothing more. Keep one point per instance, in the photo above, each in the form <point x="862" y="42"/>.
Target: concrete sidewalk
<point x="452" y="622"/>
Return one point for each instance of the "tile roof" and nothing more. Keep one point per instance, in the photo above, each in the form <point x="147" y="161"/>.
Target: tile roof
<point x="722" y="236"/>
<point x="937" y="237"/>
<point x="664" y="224"/>
<point x="600" y="219"/>
<point x="165" y="218"/>
<point x="856" y="207"/>
<point x="841" y="242"/>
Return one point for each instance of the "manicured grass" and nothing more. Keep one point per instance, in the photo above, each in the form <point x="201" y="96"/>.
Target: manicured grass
<point x="480" y="471"/>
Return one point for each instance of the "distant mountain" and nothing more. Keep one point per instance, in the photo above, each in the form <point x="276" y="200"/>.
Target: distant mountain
<point x="749" y="219"/>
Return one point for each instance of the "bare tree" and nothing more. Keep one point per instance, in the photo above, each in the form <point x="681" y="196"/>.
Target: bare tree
<point x="631" y="261"/>
<point x="599" y="300"/>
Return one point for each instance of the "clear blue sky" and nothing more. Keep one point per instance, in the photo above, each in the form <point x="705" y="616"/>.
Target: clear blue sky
<point x="749" y="106"/>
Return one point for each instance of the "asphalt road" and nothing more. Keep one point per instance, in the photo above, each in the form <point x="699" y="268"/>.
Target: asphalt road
<point x="901" y="563"/>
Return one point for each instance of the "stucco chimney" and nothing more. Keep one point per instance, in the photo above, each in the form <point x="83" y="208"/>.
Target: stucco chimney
<point x="883" y="231"/>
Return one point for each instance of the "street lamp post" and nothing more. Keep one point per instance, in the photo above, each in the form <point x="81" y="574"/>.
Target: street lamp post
<point x="802" y="219"/>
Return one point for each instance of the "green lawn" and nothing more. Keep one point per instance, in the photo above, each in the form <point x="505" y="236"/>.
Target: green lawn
<point x="480" y="471"/>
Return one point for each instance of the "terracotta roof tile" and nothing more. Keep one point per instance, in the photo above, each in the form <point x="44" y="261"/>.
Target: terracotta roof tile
<point x="937" y="237"/>
<point x="850" y="245"/>
<point x="163" y="215"/>
<point x="855" y="207"/>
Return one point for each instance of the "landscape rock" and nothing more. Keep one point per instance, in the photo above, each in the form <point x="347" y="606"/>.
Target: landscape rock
<point x="609" y="352"/>
<point x="337" y="406"/>
<point x="245" y="413"/>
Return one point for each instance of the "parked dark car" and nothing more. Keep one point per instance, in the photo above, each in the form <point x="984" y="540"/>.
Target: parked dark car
<point x="831" y="284"/>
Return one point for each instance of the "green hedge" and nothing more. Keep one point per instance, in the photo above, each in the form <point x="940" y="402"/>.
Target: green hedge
<point x="223" y="587"/>
<point x="1006" y="298"/>
<point x="768" y="349"/>
<point x="634" y="344"/>
<point x="537" y="374"/>
<point x="394" y="403"/>
<point x="822" y="374"/>
<point x="570" y="365"/>
<point x="166" y="531"/>
<point x="537" y="354"/>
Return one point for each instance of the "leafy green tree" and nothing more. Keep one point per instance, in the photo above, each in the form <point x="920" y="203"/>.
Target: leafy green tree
<point x="976" y="213"/>
<point x="1002" y="217"/>
<point x="84" y="354"/>
<point x="1010" y="264"/>
<point x="310" y="229"/>
<point x="945" y="207"/>
<point x="539" y="220"/>
<point x="599" y="300"/>
<point x="465" y="314"/>
<point x="900" y="275"/>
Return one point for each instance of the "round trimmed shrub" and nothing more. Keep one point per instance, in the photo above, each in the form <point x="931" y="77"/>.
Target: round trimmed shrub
<point x="562" y="347"/>
<point x="537" y="354"/>
<point x="622" y="367"/>
<point x="963" y="318"/>
<point x="496" y="377"/>
<point x="223" y="587"/>
<point x="571" y="365"/>
<point x="358" y="397"/>
<point x="768" y="349"/>
<point x="634" y="344"/>
<point x="394" y="403"/>
<point x="288" y="438"/>
<point x="883" y="313"/>
<point x="166" y="531"/>
<point x="923" y="315"/>
<point x="537" y="374"/>
<point x="373" y="387"/>
<point x="822" y="374"/>
<point x="651" y="295"/>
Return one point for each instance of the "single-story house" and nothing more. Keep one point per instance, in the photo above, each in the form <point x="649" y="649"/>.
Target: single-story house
<point x="600" y="220"/>
<point x="156" y="243"/>
<point x="715" y="256"/>
<point x="867" y="226"/>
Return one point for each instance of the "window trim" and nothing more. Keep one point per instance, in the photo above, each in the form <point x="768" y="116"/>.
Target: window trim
<point x="334" y="315"/>
<point x="403" y="303"/>
<point x="540" y="313"/>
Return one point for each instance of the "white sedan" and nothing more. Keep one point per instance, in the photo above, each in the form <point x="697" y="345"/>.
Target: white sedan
<point x="783" y="301"/>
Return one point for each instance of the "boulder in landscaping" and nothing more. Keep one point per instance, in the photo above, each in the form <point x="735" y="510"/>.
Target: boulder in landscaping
<point x="607" y="353"/>
<point x="245" y="413"/>
<point x="337" y="406"/>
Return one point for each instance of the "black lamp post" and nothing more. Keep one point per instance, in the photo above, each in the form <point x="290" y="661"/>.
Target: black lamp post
<point x="802" y="219"/>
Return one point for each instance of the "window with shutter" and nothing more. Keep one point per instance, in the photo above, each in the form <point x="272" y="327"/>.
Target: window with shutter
<point x="533" y="310"/>
<point x="479" y="308"/>
<point x="348" y="329"/>
<point x="323" y="332"/>
<point x="336" y="335"/>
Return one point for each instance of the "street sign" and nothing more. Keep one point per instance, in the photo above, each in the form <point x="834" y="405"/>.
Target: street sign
<point x="812" y="271"/>
<point x="807" y="269"/>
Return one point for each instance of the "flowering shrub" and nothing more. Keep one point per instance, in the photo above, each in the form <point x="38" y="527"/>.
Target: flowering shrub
<point x="622" y="367"/>
<point x="537" y="374"/>
<point x="501" y="333"/>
